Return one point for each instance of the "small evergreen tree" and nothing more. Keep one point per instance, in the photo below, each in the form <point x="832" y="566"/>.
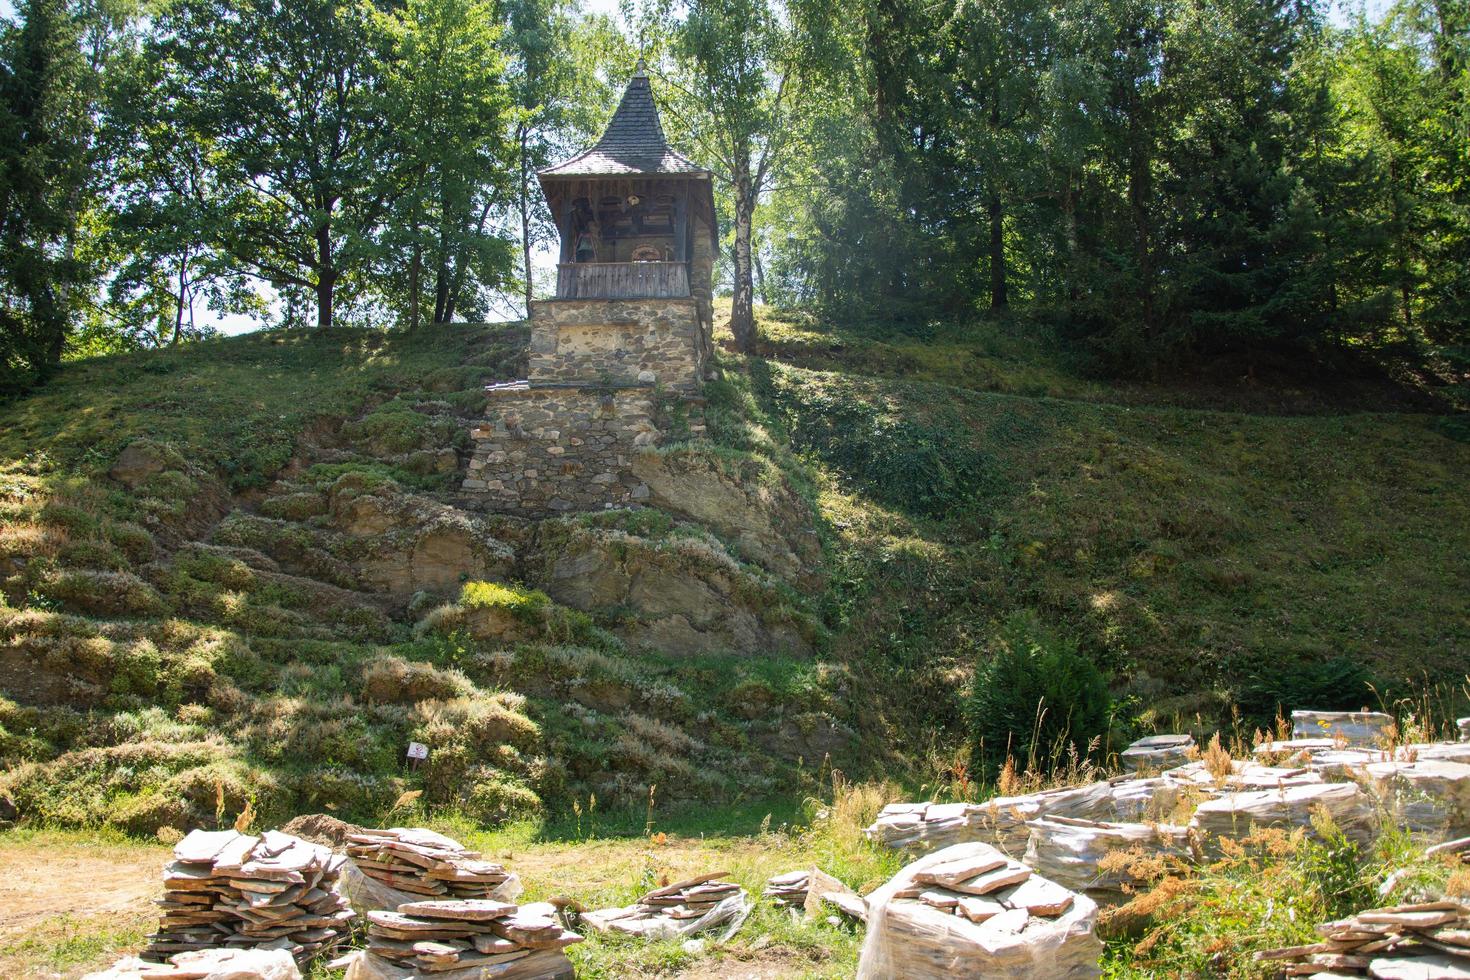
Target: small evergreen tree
<point x="1034" y="700"/>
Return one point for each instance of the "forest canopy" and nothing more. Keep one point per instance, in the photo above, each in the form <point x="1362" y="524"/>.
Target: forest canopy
<point x="1158" y="181"/>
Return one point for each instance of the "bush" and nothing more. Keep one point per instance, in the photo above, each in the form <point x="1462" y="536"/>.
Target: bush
<point x="1034" y="699"/>
<point x="387" y="679"/>
<point x="926" y="466"/>
<point x="527" y="605"/>
<point x="100" y="593"/>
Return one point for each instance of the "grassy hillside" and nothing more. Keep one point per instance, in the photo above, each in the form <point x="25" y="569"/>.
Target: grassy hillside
<point x="241" y="611"/>
<point x="1206" y="558"/>
<point x="216" y="613"/>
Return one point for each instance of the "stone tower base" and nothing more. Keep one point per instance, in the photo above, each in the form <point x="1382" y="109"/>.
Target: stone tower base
<point x="561" y="448"/>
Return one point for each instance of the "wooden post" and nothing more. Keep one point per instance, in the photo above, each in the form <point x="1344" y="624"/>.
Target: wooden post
<point x="681" y="223"/>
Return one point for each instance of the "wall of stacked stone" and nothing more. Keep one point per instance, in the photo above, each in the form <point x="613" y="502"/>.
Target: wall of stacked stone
<point x="619" y="341"/>
<point x="561" y="449"/>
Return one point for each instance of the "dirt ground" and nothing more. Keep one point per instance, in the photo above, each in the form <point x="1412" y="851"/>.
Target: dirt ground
<point x="67" y="907"/>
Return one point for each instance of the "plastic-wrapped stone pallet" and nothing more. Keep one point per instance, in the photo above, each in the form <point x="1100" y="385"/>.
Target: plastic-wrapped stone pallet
<point x="1000" y="821"/>
<point x="207" y="964"/>
<point x="1069" y="853"/>
<point x="681" y="909"/>
<point x="969" y="911"/>
<point x="1361" y="729"/>
<point x="1157" y="752"/>
<point x="1236" y="814"/>
<point x="1427" y="796"/>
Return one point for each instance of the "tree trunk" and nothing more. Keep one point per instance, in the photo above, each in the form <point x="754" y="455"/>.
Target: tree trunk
<point x="326" y="277"/>
<point x="742" y="306"/>
<point x="1069" y="226"/>
<point x="525" y="204"/>
<point x="998" y="300"/>
<point x="415" y="270"/>
<point x="760" y="278"/>
<point x="179" y="305"/>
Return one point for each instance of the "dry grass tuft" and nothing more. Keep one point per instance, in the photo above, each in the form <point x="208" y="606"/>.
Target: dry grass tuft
<point x="1217" y="760"/>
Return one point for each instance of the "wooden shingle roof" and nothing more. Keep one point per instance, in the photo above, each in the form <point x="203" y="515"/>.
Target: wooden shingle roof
<point x="633" y="143"/>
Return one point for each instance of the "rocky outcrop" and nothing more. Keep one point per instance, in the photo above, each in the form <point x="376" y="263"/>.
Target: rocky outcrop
<point x="680" y="595"/>
<point x="747" y="503"/>
<point x="411" y="543"/>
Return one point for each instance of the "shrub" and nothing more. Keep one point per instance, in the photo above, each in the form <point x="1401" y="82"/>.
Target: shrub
<point x="1034" y="699"/>
<point x="926" y="466"/>
<point x="491" y="801"/>
<point x="104" y="593"/>
<point x="392" y="680"/>
<point x="527" y="605"/>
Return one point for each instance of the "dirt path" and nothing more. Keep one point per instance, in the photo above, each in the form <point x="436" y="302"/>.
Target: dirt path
<point x="69" y="906"/>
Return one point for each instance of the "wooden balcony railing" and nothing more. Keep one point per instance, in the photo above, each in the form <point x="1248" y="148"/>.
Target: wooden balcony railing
<point x="621" y="280"/>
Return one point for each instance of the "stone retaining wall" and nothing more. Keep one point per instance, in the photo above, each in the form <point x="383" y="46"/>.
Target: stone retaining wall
<point x="561" y="449"/>
<point x="618" y="341"/>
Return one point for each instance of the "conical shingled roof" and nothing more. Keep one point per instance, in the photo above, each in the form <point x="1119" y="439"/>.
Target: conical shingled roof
<point x="633" y="142"/>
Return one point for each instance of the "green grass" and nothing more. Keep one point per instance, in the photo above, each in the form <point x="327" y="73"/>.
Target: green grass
<point x="1194" y="553"/>
<point x="235" y="403"/>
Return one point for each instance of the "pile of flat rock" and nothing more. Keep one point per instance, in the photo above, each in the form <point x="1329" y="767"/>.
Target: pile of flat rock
<point x="1235" y="814"/>
<point x="1427" y="941"/>
<point x="207" y="964"/>
<point x="475" y="937"/>
<point x="1343" y="763"/>
<point x="1158" y="752"/>
<point x="1072" y="853"/>
<point x="969" y="910"/>
<point x="422" y="862"/>
<point x="680" y="909"/>
<point x="789" y="889"/>
<point x="273" y="892"/>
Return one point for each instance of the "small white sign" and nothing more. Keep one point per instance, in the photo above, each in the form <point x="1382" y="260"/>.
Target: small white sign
<point x="418" y="750"/>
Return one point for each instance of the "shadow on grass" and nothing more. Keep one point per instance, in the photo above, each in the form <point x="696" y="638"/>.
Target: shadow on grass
<point x="743" y="819"/>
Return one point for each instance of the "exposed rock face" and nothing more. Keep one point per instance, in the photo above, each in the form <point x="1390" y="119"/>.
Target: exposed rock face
<point x="414" y="543"/>
<point x="682" y="596"/>
<point x="138" y="461"/>
<point x="745" y="503"/>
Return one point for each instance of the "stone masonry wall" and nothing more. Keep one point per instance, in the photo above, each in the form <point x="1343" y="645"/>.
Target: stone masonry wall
<point x="628" y="341"/>
<point x="560" y="449"/>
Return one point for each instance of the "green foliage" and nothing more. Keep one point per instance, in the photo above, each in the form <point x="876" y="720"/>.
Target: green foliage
<point x="1339" y="684"/>
<point x="529" y="605"/>
<point x="1034" y="699"/>
<point x="48" y="96"/>
<point x="923" y="462"/>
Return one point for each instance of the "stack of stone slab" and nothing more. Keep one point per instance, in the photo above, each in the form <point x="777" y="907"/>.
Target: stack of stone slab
<point x="1422" y="942"/>
<point x="1072" y="852"/>
<point x="1000" y="821"/>
<point x="1235" y="815"/>
<point x="207" y="964"/>
<point x="969" y="910"/>
<point x="226" y="889"/>
<point x="789" y="889"/>
<point x="1158" y="752"/>
<point x="1366" y="729"/>
<point x="1427" y="796"/>
<point x="681" y="909"/>
<point x="421" y="862"/>
<point x="467" y="937"/>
